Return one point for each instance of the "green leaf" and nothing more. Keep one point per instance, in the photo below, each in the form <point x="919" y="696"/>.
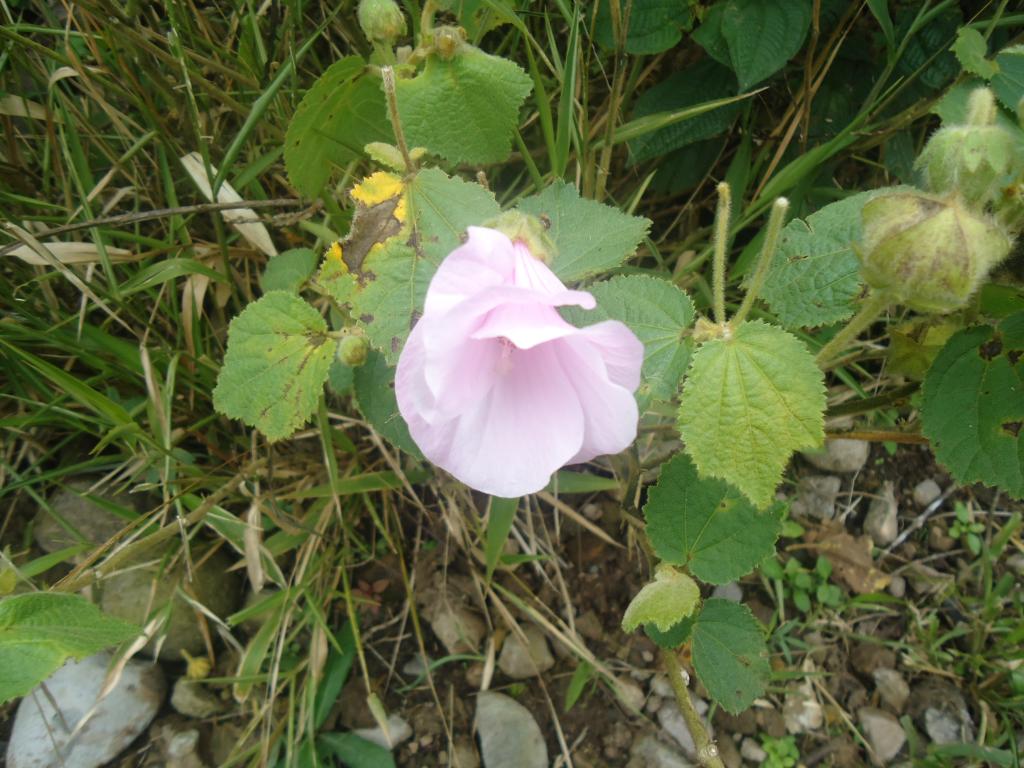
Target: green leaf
<point x="441" y="207"/>
<point x="288" y="270"/>
<point x="354" y="751"/>
<point x="749" y="401"/>
<point x="338" y="116"/>
<point x="762" y="35"/>
<point x="654" y="25"/>
<point x="41" y="630"/>
<point x="583" y="674"/>
<point x="729" y="654"/>
<point x="664" y="602"/>
<point x="970" y="49"/>
<point x="276" y="364"/>
<point x="590" y="237"/>
<point x="674" y="637"/>
<point x="658" y="313"/>
<point x="375" y="394"/>
<point x="499" y="523"/>
<point x="703" y="82"/>
<point x="973" y="405"/>
<point x="465" y="109"/>
<point x="707" y="525"/>
<point x="814" y="278"/>
<point x="1008" y="83"/>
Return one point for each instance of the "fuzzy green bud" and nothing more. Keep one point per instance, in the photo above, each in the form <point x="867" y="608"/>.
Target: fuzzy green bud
<point x="381" y="20"/>
<point x="352" y="350"/>
<point x="526" y="229"/>
<point x="974" y="160"/>
<point x="928" y="253"/>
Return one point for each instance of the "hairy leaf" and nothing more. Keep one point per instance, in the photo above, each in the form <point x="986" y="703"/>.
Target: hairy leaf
<point x="749" y="401"/>
<point x="375" y="394"/>
<point x="654" y="25"/>
<point x="971" y="49"/>
<point x="590" y="237"/>
<point x="729" y="654"/>
<point x="664" y="602"/>
<point x="762" y="35"/>
<point x="276" y="364"/>
<point x="288" y="270"/>
<point x="1008" y="83"/>
<point x="973" y="405"/>
<point x="338" y="116"/>
<point x="707" y="525"/>
<point x="465" y="109"/>
<point x="41" y="630"/>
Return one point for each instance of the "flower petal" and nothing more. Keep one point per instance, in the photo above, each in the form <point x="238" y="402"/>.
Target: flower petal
<point x="527" y="426"/>
<point x="487" y="258"/>
<point x="621" y="350"/>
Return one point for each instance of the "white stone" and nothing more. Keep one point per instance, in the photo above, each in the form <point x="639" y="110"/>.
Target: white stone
<point x="398" y="732"/>
<point x="648" y="752"/>
<point x="816" y="496"/>
<point x="840" y="456"/>
<point x="752" y="752"/>
<point x="40" y="737"/>
<point x="509" y="736"/>
<point x="926" y="492"/>
<point x="521" y="660"/>
<point x="193" y="699"/>
<point x="671" y="721"/>
<point x="881" y="523"/>
<point x="892" y="688"/>
<point x="731" y="591"/>
<point x="883" y="732"/>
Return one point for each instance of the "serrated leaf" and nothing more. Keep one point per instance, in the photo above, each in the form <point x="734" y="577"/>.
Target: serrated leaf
<point x="1008" y="83"/>
<point x="338" y="116"/>
<point x="276" y="364"/>
<point x="465" y="109"/>
<point x="729" y="654"/>
<point x="441" y="207"/>
<point x="703" y="82"/>
<point x="590" y="237"/>
<point x="375" y="395"/>
<point x="814" y="278"/>
<point x="762" y="35"/>
<point x="40" y="631"/>
<point x="288" y="270"/>
<point x="973" y="405"/>
<point x="389" y="301"/>
<point x="707" y="525"/>
<point x="749" y="401"/>
<point x="659" y="313"/>
<point x="674" y="637"/>
<point x="654" y="25"/>
<point x="970" y="49"/>
<point x="664" y="602"/>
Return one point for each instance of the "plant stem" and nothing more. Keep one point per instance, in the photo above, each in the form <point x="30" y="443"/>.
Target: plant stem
<point x="707" y="752"/>
<point x="722" y="214"/>
<point x="764" y="260"/>
<point x="869" y="311"/>
<point x="387" y="74"/>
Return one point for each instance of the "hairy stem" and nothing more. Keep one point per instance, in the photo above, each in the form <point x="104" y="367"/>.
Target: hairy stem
<point x="764" y="260"/>
<point x="722" y="214"/>
<point x="707" y="752"/>
<point x="869" y="311"/>
<point x="387" y="74"/>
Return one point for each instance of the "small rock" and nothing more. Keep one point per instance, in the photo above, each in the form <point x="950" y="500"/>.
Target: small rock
<point x="925" y="580"/>
<point x="881" y="523"/>
<point x="729" y="753"/>
<point x="745" y="723"/>
<point x="39" y="738"/>
<point x="179" y="748"/>
<point x="95" y="523"/>
<point x="926" y="492"/>
<point x="816" y="496"/>
<point x="867" y="657"/>
<point x="673" y="724"/>
<point x="648" y="752"/>
<point x="521" y="660"/>
<point x="398" y="732"/>
<point x="589" y="626"/>
<point x="731" y="591"/>
<point x="802" y="712"/>
<point x="458" y="628"/>
<point x="898" y="586"/>
<point x="752" y="752"/>
<point x="464" y="754"/>
<point x="840" y="456"/>
<point x="509" y="736"/>
<point x="660" y="687"/>
<point x="772" y="722"/>
<point x="415" y="667"/>
<point x="629" y="693"/>
<point x="892" y="688"/>
<point x="939" y="708"/>
<point x="130" y="595"/>
<point x="653" y="704"/>
<point x="193" y="699"/>
<point x="939" y="540"/>
<point x="1016" y="563"/>
<point x="883" y="732"/>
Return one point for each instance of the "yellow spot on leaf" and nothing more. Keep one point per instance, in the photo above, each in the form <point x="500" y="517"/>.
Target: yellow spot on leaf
<point x="376" y="188"/>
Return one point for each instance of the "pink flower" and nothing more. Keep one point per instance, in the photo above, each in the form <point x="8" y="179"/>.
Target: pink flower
<point x="497" y="388"/>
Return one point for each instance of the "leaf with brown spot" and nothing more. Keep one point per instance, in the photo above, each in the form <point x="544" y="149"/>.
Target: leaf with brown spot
<point x="850" y="558"/>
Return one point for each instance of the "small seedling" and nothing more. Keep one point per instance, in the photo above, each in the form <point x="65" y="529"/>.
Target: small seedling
<point x="781" y="753"/>
<point x="799" y="584"/>
<point x="966" y="529"/>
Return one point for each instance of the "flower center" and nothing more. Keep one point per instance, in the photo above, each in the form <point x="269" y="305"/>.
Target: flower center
<point x="505" y="359"/>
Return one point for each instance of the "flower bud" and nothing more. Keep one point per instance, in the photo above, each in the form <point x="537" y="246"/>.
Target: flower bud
<point x="926" y="252"/>
<point x="381" y="20"/>
<point x="526" y="229"/>
<point x="974" y="160"/>
<point x="352" y="350"/>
